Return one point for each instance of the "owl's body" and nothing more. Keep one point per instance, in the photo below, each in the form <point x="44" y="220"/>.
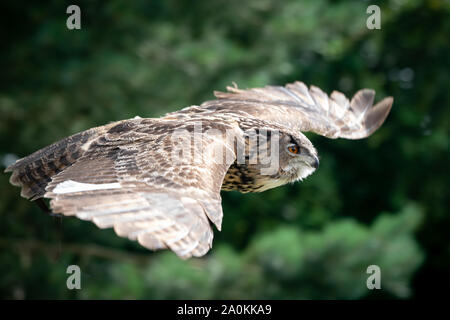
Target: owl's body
<point x="158" y="181"/>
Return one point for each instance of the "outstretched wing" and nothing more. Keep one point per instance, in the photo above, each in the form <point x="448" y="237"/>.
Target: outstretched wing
<point x="304" y="109"/>
<point x="137" y="176"/>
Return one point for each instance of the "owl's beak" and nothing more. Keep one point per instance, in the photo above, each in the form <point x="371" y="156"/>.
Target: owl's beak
<point x="315" y="162"/>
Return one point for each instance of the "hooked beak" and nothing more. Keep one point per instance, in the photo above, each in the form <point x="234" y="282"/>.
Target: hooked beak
<point x="315" y="162"/>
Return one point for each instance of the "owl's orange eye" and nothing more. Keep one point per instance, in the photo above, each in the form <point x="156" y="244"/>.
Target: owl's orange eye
<point x="294" y="149"/>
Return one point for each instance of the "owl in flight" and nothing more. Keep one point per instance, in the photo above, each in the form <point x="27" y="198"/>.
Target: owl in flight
<point x="158" y="181"/>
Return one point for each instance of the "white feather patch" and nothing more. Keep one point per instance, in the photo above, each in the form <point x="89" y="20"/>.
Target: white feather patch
<point x="70" y="186"/>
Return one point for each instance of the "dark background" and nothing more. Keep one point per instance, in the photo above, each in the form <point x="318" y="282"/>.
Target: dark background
<point x="382" y="200"/>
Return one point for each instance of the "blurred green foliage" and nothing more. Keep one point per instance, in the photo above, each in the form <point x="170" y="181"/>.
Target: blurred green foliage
<point x="382" y="200"/>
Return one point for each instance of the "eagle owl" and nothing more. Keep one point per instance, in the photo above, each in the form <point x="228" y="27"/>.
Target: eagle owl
<point x="158" y="181"/>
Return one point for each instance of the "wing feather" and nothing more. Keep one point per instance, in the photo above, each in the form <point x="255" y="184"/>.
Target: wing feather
<point x="299" y="108"/>
<point x="126" y="179"/>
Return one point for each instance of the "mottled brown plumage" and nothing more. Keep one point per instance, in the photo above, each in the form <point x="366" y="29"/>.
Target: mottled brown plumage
<point x="158" y="181"/>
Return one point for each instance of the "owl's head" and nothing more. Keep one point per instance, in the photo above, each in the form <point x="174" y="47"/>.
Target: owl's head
<point x="297" y="157"/>
<point x="286" y="157"/>
<point x="272" y="158"/>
